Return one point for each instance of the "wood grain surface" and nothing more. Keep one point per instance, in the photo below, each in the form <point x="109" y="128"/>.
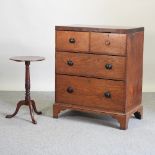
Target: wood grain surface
<point x="134" y="69"/>
<point x="108" y="43"/>
<point x="89" y="92"/>
<point x="100" y="28"/>
<point x="91" y="65"/>
<point x="63" y="41"/>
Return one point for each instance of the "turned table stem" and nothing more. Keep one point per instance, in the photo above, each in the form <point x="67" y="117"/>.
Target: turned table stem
<point x="27" y="81"/>
<point x="27" y="90"/>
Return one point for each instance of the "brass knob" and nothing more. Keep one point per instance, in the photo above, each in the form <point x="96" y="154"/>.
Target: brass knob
<point x="108" y="66"/>
<point x="107" y="42"/>
<point x="107" y="94"/>
<point x="70" y="63"/>
<point x="72" y="40"/>
<point x="70" y="90"/>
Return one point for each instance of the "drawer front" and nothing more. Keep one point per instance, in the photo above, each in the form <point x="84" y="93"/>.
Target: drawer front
<point x="90" y="92"/>
<point x="108" y="43"/>
<point x="101" y="66"/>
<point x="72" y="41"/>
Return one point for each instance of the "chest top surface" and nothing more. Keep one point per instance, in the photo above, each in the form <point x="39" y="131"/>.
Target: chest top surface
<point x="100" y="28"/>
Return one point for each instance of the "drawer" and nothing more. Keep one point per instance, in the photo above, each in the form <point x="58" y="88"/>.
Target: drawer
<point x="90" y="92"/>
<point x="108" y="43"/>
<point x="72" y="41"/>
<point x="91" y="65"/>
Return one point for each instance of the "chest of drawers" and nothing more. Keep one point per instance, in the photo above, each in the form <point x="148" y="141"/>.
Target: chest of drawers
<point x="99" y="70"/>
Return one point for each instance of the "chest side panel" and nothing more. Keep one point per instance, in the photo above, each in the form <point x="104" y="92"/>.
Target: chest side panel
<point x="134" y="69"/>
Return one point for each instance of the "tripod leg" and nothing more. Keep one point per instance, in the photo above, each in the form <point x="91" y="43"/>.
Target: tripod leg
<point x="19" y="104"/>
<point x="34" y="108"/>
<point x="31" y="112"/>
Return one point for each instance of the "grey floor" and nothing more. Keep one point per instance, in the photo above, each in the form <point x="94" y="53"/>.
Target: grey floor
<point x="74" y="133"/>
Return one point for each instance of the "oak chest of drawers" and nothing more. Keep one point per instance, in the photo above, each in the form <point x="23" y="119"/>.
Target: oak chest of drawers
<point x="99" y="69"/>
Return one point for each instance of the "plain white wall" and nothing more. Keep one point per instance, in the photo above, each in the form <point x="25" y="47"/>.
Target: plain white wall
<point x="27" y="28"/>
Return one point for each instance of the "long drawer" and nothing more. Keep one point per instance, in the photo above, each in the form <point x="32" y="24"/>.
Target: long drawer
<point x="91" y="92"/>
<point x="90" y="65"/>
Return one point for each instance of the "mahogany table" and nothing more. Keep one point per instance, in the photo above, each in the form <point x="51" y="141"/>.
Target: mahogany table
<point x="27" y="101"/>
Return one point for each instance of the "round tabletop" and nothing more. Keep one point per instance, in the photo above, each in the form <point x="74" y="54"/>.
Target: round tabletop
<point x="27" y="58"/>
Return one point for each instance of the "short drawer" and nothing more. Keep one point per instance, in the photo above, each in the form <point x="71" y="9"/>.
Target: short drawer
<point x="90" y="92"/>
<point x="108" y="43"/>
<point x="72" y="41"/>
<point x="91" y="65"/>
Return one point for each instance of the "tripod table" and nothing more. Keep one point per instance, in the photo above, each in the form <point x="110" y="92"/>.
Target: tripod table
<point x="28" y="101"/>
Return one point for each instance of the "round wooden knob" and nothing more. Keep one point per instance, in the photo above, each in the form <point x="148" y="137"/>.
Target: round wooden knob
<point x="70" y="90"/>
<point x="107" y="94"/>
<point x="70" y="63"/>
<point x="72" y="40"/>
<point x="107" y="42"/>
<point x="108" y="66"/>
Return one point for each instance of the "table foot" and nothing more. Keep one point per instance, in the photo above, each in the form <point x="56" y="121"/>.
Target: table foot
<point x="19" y="104"/>
<point x="35" y="109"/>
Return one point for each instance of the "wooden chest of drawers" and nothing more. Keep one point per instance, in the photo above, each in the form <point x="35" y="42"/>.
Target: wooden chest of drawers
<point x="99" y="69"/>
